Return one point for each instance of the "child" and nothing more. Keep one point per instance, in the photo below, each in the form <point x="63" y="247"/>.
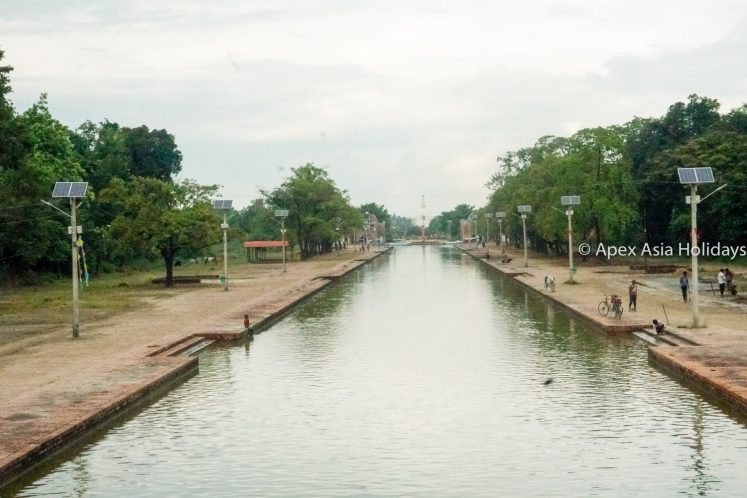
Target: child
<point x="658" y="327"/>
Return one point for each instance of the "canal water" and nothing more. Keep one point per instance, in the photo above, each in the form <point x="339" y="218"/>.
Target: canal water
<point x="422" y="374"/>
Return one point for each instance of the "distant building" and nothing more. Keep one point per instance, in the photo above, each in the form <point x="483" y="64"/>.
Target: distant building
<point x="373" y="230"/>
<point x="466" y="229"/>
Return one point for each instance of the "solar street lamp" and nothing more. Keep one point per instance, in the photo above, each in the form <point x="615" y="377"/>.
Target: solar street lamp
<point x="524" y="210"/>
<point x="569" y="201"/>
<point x="694" y="177"/>
<point x="73" y="191"/>
<point x="499" y="215"/>
<point x="282" y="214"/>
<point x="225" y="206"/>
<point x="487" y="230"/>
<point x="472" y="218"/>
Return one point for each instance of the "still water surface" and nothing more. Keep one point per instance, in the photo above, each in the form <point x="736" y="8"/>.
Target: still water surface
<point x="422" y="374"/>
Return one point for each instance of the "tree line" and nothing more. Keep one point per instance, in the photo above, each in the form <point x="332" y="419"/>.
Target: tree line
<point x="134" y="206"/>
<point x="626" y="176"/>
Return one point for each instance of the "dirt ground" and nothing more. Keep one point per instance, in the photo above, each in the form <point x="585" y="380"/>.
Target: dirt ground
<point x="178" y="313"/>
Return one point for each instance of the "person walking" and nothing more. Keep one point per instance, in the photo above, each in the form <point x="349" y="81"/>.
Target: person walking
<point x="684" y="284"/>
<point x="633" y="296"/>
<point x="721" y="278"/>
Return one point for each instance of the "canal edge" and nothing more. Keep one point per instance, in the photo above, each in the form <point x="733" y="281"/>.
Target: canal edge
<point x="185" y="366"/>
<point x="698" y="377"/>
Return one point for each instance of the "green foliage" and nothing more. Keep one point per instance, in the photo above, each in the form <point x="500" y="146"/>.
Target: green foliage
<point x="400" y="226"/>
<point x="319" y="213"/>
<point x="157" y="217"/>
<point x="446" y="224"/>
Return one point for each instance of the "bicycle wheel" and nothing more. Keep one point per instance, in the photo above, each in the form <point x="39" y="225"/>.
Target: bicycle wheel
<point x="604" y="308"/>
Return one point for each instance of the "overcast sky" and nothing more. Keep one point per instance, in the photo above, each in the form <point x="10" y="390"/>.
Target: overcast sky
<point x="395" y="99"/>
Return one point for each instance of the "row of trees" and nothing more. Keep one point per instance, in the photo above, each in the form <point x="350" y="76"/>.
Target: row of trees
<point x="627" y="179"/>
<point x="135" y="207"/>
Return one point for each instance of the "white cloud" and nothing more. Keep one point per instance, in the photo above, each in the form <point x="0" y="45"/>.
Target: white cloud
<point x="396" y="99"/>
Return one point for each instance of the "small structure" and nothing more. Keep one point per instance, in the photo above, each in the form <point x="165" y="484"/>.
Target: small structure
<point x="256" y="250"/>
<point x="467" y="230"/>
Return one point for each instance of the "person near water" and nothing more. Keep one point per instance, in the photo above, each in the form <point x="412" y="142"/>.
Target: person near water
<point x="684" y="284"/>
<point x="633" y="296"/>
<point x="658" y="327"/>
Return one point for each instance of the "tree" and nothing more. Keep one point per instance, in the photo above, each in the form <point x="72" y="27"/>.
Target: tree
<point x="157" y="217"/>
<point x="381" y="214"/>
<point x="152" y="153"/>
<point x="447" y="223"/>
<point x="317" y="209"/>
<point x="401" y="225"/>
<point x="256" y="220"/>
<point x="38" y="238"/>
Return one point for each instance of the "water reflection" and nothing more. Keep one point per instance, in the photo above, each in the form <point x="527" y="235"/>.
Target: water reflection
<point x="423" y="374"/>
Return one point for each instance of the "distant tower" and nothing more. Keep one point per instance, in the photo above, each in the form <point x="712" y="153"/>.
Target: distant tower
<point x="422" y="218"/>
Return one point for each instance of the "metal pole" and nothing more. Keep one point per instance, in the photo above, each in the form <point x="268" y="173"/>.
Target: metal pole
<point x="487" y="234"/>
<point x="500" y="227"/>
<point x="569" y="211"/>
<point x="694" y="252"/>
<point x="524" y="225"/>
<point x="74" y="240"/>
<point x="225" y="252"/>
<point x="282" y="232"/>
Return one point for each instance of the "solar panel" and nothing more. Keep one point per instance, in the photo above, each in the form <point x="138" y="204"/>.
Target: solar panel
<point x="281" y="213"/>
<point x="75" y="190"/>
<point x="500" y="214"/>
<point x="695" y="175"/>
<point x="78" y="189"/>
<point x="222" y="204"/>
<point x="570" y="200"/>
<point x="524" y="209"/>
<point x="704" y="175"/>
<point x="488" y="215"/>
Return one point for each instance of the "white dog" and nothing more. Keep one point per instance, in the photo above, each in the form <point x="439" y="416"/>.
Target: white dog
<point x="550" y="283"/>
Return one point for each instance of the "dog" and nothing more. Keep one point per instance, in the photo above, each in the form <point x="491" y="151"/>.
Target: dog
<point x="550" y="283"/>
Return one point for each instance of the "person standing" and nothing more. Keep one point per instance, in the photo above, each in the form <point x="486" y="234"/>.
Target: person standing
<point x="633" y="296"/>
<point x="684" y="284"/>
<point x="721" y="278"/>
<point x="729" y="279"/>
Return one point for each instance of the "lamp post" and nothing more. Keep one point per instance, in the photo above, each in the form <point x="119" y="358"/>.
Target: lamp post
<point x="487" y="231"/>
<point x="524" y="210"/>
<point x="282" y="214"/>
<point x="499" y="215"/>
<point x="72" y="191"/>
<point x="694" y="177"/>
<point x="225" y="206"/>
<point x="569" y="201"/>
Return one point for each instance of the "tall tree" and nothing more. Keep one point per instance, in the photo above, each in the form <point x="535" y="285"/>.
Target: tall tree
<point x="153" y="153"/>
<point x="317" y="209"/>
<point x="157" y="217"/>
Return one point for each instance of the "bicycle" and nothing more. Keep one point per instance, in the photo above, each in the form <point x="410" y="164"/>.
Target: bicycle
<point x="614" y="305"/>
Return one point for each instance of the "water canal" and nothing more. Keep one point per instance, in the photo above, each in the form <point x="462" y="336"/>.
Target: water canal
<point x="421" y="374"/>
